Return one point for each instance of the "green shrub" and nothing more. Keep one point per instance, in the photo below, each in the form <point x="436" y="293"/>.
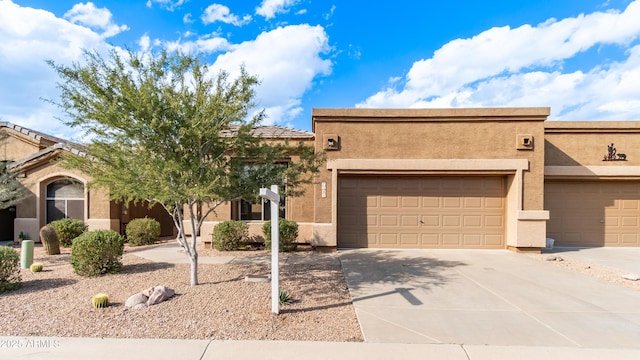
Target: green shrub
<point x="288" y="231"/>
<point x="68" y="229"/>
<point x="97" y="252"/>
<point x="284" y="297"/>
<point x="230" y="235"/>
<point x="143" y="231"/>
<point x="9" y="269"/>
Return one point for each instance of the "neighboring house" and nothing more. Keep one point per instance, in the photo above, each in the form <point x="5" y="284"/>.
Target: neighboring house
<point x="490" y="178"/>
<point x="56" y="192"/>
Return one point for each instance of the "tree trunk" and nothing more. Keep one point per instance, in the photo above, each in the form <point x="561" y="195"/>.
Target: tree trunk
<point x="194" y="270"/>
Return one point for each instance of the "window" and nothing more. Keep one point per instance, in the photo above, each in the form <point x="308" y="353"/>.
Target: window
<point x="244" y="210"/>
<point x="260" y="211"/>
<point x="65" y="199"/>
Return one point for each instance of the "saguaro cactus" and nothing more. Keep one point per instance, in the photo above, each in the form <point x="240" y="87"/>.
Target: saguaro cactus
<point x="49" y="240"/>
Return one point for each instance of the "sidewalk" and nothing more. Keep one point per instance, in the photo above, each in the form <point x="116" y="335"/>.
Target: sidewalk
<point x="159" y="349"/>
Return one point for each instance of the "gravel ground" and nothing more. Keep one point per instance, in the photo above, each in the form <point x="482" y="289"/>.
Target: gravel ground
<point x="57" y="302"/>
<point x="598" y="271"/>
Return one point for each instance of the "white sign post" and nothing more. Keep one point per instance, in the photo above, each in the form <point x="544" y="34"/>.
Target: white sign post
<point x="273" y="196"/>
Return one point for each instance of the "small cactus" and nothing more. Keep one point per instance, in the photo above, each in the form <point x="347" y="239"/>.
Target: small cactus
<point x="100" y="301"/>
<point x="36" y="267"/>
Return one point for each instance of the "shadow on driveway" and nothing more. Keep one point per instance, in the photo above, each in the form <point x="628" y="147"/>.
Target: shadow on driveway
<point x="366" y="268"/>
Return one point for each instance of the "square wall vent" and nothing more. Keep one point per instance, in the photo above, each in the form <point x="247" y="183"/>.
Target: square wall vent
<point x="524" y="142"/>
<point x="331" y="141"/>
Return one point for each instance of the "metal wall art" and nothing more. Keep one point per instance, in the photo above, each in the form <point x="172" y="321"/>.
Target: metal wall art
<point x="613" y="156"/>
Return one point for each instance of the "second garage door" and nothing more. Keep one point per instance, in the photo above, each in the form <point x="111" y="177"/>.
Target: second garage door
<point x="421" y="212"/>
<point x="593" y="213"/>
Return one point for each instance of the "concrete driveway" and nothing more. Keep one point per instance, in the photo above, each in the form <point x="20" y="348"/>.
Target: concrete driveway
<point x="486" y="297"/>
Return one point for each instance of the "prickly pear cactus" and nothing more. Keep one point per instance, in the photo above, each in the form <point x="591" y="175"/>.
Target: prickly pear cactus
<point x="100" y="301"/>
<point x="36" y="267"/>
<point x="49" y="240"/>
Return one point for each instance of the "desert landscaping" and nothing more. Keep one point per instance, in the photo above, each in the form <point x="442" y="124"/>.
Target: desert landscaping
<point x="57" y="302"/>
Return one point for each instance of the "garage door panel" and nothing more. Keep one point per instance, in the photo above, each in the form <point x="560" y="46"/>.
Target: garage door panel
<point x="593" y="213"/>
<point x="472" y="240"/>
<point x="494" y="203"/>
<point x="473" y="203"/>
<point x="372" y="202"/>
<point x="493" y="240"/>
<point x="409" y="220"/>
<point x="630" y="205"/>
<point x="409" y="240"/>
<point x="472" y="221"/>
<point x="430" y="240"/>
<point x="410" y="202"/>
<point x="388" y="220"/>
<point x="451" y="221"/>
<point x="494" y="221"/>
<point x="433" y="221"/>
<point x="372" y="239"/>
<point x="451" y="240"/>
<point x="629" y="221"/>
<point x="388" y="202"/>
<point x="388" y="239"/>
<point x="611" y="221"/>
<point x="450" y="203"/>
<point x="629" y="239"/>
<point x="430" y="202"/>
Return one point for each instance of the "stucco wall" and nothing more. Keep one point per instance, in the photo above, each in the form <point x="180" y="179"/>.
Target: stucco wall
<point x="38" y="176"/>
<point x="13" y="148"/>
<point x="582" y="143"/>
<point x="432" y="134"/>
<point x="441" y="141"/>
<point x="299" y="209"/>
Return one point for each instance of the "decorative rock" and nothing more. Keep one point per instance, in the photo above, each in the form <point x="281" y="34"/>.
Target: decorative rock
<point x="160" y="293"/>
<point x="147" y="292"/>
<point x="151" y="296"/>
<point x="632" y="277"/>
<point x="137" y="299"/>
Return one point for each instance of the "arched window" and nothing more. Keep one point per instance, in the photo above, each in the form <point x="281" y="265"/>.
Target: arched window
<point x="65" y="199"/>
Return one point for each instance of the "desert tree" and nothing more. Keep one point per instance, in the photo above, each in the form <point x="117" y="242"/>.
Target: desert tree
<point x="162" y="128"/>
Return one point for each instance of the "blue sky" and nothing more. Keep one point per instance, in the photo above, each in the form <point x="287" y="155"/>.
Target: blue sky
<point x="579" y="57"/>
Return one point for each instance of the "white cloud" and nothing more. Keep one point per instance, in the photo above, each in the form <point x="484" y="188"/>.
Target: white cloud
<point x="328" y="15"/>
<point x="92" y="17"/>
<point x="217" y="12"/>
<point x="287" y="60"/>
<point x="269" y="8"/>
<point x="29" y="37"/>
<point x="523" y="67"/>
<point x="166" y="4"/>
<point x="145" y="43"/>
<point x="205" y="44"/>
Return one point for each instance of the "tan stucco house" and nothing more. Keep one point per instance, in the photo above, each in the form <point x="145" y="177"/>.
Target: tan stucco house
<point x="490" y="178"/>
<point x="56" y="192"/>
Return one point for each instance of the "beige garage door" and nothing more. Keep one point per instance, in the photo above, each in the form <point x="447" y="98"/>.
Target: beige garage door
<point x="421" y="212"/>
<point x="593" y="213"/>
